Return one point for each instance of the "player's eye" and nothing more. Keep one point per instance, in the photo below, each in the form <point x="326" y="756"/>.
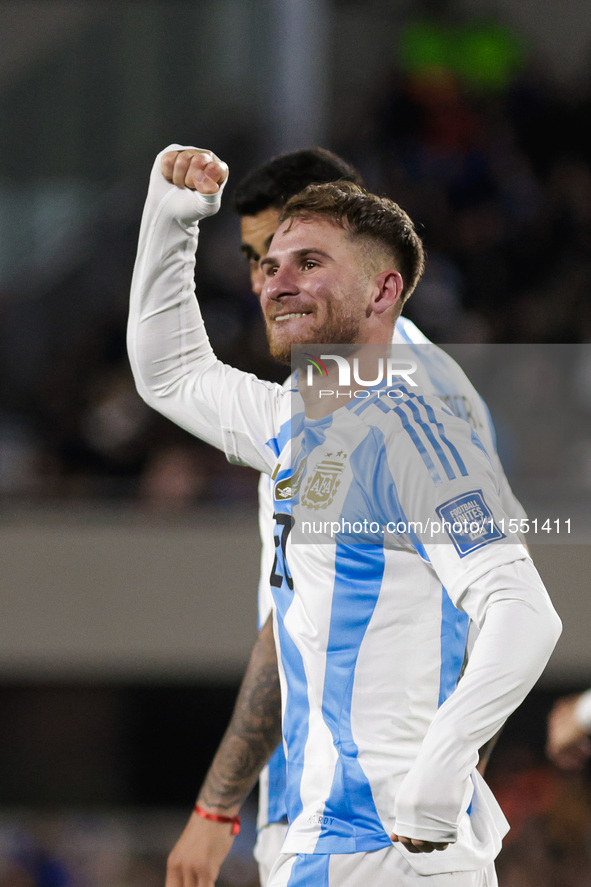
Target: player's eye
<point x="309" y="264"/>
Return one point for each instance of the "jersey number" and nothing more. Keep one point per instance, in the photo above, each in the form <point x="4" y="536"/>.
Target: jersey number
<point x="286" y="521"/>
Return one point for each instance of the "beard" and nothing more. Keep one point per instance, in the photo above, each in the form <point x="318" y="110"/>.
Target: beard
<point x="341" y="327"/>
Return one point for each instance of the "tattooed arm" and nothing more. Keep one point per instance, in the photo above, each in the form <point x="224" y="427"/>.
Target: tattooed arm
<point x="253" y="734"/>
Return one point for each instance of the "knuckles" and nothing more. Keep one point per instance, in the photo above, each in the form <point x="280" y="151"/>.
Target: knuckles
<point x="413" y="845"/>
<point x="179" y="167"/>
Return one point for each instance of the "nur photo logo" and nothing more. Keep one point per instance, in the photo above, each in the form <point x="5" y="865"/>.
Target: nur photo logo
<point x="314" y="363"/>
<point x="389" y="370"/>
<point x="358" y="374"/>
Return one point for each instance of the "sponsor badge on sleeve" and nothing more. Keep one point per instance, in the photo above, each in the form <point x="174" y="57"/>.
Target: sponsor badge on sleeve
<point x="469" y="522"/>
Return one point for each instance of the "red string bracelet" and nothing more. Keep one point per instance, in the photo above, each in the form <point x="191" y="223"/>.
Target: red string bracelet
<point x="234" y="821"/>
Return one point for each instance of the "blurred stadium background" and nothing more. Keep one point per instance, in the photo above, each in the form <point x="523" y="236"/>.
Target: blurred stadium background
<point x="129" y="550"/>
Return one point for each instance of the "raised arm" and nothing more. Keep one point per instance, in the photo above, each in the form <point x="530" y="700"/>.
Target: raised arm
<point x="174" y="367"/>
<point x="253" y="734"/>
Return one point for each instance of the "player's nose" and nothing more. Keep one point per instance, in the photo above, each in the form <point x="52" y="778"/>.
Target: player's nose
<point x="282" y="282"/>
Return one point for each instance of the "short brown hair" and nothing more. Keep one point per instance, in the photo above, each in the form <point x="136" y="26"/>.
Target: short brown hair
<point x="365" y="215"/>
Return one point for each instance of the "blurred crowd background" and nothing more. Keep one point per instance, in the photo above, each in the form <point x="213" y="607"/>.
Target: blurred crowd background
<point x="462" y="122"/>
<point x="474" y="117"/>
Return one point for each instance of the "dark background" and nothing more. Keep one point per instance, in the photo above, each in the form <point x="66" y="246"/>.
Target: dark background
<point x="474" y="116"/>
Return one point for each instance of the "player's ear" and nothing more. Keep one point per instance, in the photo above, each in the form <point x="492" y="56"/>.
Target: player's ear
<point x="387" y="291"/>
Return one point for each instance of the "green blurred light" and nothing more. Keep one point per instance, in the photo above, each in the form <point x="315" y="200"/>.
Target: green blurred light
<point x="484" y="54"/>
<point x="490" y="55"/>
<point x="424" y="46"/>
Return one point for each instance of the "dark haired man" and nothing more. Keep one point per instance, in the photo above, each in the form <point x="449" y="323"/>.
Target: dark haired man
<point x="370" y="792"/>
<point x="262" y="193"/>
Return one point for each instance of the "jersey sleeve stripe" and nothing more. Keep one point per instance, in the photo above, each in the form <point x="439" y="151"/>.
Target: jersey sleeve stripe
<point x="406" y="424"/>
<point x="441" y="431"/>
<point x="430" y="436"/>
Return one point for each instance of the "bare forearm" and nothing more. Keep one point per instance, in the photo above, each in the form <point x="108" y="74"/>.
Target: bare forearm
<point x="253" y="733"/>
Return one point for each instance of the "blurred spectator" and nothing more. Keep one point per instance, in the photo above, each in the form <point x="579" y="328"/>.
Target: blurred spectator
<point x="466" y="132"/>
<point x="569" y="730"/>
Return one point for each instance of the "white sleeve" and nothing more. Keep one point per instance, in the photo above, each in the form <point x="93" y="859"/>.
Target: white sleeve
<point x="174" y="367"/>
<point x="446" y="490"/>
<point x="519" y="629"/>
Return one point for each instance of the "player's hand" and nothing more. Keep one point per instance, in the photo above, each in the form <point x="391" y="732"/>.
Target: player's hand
<point x="195" y="169"/>
<point x="414" y="846"/>
<point x="196" y="858"/>
<point x="568" y="745"/>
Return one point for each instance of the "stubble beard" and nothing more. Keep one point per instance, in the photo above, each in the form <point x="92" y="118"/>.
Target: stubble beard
<point x="338" y="329"/>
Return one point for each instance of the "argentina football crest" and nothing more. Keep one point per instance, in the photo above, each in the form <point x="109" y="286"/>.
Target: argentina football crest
<point x="323" y="483"/>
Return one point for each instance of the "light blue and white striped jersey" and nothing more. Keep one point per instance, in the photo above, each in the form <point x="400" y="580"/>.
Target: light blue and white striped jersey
<point x="369" y="636"/>
<point x="443" y="377"/>
<point x="368" y="644"/>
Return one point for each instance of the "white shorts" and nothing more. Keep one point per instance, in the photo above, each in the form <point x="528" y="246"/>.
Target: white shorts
<point x="380" y="868"/>
<point x="268" y="847"/>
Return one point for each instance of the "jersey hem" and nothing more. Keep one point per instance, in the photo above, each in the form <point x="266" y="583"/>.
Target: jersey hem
<point x="331" y="844"/>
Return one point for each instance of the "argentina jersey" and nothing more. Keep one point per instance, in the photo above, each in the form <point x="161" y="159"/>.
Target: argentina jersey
<point x="442" y="376"/>
<point x="366" y="584"/>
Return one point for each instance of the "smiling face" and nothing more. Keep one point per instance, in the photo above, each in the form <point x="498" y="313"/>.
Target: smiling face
<point x="315" y="288"/>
